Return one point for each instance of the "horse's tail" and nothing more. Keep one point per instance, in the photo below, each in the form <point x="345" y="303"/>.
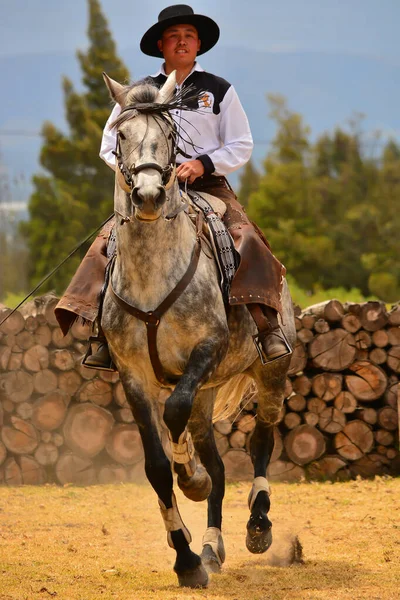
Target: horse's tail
<point x="230" y="395"/>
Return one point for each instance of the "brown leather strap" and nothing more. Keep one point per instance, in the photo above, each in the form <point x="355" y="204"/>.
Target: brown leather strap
<point x="152" y="318"/>
<point x="182" y="285"/>
<point x="132" y="310"/>
<point x="261" y="321"/>
<point x="171" y="216"/>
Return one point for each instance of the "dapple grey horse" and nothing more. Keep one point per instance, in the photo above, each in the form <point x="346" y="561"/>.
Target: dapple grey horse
<point x="206" y="353"/>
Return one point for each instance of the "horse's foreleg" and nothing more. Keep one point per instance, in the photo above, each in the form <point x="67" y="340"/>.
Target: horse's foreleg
<point x="188" y="567"/>
<point x="270" y="384"/>
<point x="200" y="425"/>
<point x="193" y="479"/>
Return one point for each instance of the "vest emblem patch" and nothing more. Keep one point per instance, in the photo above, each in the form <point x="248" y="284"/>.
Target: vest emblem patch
<point x="206" y="100"/>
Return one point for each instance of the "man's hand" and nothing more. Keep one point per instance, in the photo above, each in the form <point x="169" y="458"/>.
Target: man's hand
<point x="190" y="170"/>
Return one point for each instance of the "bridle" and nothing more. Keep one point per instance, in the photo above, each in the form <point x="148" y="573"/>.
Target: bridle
<point x="125" y="175"/>
<point x="128" y="173"/>
<point x="168" y="173"/>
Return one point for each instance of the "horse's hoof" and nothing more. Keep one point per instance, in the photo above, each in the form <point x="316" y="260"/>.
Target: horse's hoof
<point x="213" y="553"/>
<point x="258" y="542"/>
<point x="198" y="487"/>
<point x="209" y="560"/>
<point x="194" y="578"/>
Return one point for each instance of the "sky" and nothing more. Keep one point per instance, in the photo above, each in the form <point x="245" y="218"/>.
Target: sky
<point x="361" y="27"/>
<point x="349" y="28"/>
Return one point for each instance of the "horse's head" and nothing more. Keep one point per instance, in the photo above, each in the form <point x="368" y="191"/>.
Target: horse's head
<point x="145" y="144"/>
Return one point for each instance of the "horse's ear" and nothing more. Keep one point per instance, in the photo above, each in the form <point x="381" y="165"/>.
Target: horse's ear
<point x="167" y="90"/>
<point x="117" y="91"/>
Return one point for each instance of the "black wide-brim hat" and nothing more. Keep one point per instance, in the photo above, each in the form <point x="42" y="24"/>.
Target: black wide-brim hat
<point x="207" y="29"/>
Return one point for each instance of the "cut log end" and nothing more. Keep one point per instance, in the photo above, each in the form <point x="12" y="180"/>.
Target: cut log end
<point x="304" y="444"/>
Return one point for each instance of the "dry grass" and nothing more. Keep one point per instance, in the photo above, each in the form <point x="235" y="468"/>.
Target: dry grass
<point x="107" y="542"/>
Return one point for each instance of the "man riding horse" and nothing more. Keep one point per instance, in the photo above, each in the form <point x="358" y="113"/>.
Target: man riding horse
<point x="215" y="141"/>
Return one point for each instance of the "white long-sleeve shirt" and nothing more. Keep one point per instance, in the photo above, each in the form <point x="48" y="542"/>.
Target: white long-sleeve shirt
<point x="220" y="130"/>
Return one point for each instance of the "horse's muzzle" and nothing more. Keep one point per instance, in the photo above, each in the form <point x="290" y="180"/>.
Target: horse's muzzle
<point x="148" y="199"/>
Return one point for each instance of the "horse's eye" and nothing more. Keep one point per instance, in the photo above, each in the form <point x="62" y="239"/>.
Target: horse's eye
<point x="121" y="135"/>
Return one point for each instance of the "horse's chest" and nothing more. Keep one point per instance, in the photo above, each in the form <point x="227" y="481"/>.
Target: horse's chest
<point x="183" y="327"/>
<point x="197" y="316"/>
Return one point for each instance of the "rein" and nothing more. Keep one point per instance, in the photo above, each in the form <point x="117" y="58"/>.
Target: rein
<point x="47" y="277"/>
<point x="170" y="217"/>
<point x="152" y="318"/>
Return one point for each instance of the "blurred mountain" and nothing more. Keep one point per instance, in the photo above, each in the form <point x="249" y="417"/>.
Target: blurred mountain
<point x="325" y="88"/>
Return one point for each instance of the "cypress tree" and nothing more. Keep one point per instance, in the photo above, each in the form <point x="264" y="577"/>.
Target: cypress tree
<point x="76" y="194"/>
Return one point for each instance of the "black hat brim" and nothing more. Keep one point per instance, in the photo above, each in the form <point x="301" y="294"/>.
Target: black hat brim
<point x="207" y="29"/>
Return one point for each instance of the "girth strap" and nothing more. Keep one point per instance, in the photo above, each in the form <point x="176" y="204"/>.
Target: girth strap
<point x="153" y="317"/>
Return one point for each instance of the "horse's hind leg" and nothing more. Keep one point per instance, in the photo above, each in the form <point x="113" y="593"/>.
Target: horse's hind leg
<point x="188" y="566"/>
<point x="200" y="425"/>
<point x="271" y="384"/>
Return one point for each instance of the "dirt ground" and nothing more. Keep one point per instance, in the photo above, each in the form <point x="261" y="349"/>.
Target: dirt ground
<point x="108" y="542"/>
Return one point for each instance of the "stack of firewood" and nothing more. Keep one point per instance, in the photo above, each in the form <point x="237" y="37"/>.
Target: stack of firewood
<point x="340" y="417"/>
<point x="61" y="422"/>
<point x="341" y="412"/>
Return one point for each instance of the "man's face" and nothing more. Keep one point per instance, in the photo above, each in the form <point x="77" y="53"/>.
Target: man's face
<point x="179" y="45"/>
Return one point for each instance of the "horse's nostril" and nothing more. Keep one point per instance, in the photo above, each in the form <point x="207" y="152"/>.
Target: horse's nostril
<point x="136" y="199"/>
<point x="161" y="196"/>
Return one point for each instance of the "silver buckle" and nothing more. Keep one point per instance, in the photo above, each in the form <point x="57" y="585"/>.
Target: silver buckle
<point x="264" y="359"/>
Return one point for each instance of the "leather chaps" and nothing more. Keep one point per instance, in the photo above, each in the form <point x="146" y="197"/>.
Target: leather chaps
<point x="258" y="280"/>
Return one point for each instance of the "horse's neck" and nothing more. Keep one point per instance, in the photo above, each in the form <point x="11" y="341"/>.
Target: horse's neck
<point x="152" y="257"/>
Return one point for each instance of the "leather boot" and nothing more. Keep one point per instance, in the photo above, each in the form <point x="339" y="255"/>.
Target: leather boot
<point x="270" y="340"/>
<point x="274" y="345"/>
<point x="100" y="359"/>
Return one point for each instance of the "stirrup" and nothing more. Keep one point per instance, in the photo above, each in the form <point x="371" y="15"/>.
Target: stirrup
<point x="111" y="367"/>
<point x="258" y="338"/>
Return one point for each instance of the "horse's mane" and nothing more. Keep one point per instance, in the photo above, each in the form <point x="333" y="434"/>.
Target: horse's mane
<point x="140" y="98"/>
<point x="141" y="92"/>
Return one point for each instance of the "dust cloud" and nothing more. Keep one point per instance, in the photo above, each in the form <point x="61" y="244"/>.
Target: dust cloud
<point x="285" y="550"/>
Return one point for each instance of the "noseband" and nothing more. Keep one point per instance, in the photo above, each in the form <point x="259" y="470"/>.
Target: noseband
<point x="167" y="173"/>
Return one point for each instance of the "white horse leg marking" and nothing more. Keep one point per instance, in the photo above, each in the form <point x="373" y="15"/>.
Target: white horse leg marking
<point x="259" y="535"/>
<point x="173" y="521"/>
<point x="213" y="538"/>
<point x="183" y="452"/>
<point x="260" y="484"/>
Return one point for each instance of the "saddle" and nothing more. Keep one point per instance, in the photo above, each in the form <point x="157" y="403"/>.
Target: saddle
<point x="216" y="241"/>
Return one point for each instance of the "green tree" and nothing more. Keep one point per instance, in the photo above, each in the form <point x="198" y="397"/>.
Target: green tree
<point x="341" y="182"/>
<point x="13" y="252"/>
<point x="249" y="183"/>
<point x="12" y="248"/>
<point x="329" y="210"/>
<point x="382" y="260"/>
<point x="286" y="205"/>
<point x="76" y="194"/>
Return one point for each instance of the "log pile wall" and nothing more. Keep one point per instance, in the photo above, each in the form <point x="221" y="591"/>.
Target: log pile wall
<point x="62" y="423"/>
